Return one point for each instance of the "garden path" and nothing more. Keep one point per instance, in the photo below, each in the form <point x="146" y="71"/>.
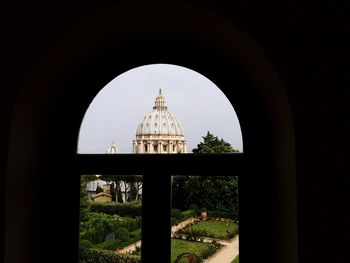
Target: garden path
<point x="181" y="225"/>
<point x="132" y="247"/>
<point x="226" y="254"/>
<point x="129" y="249"/>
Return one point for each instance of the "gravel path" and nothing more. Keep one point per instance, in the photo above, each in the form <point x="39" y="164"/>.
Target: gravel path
<point x="224" y="255"/>
<point x="182" y="225"/>
<point x="227" y="253"/>
<point x="131" y="248"/>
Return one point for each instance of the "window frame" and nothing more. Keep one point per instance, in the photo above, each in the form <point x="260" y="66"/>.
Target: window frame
<point x="157" y="183"/>
<point x="62" y="83"/>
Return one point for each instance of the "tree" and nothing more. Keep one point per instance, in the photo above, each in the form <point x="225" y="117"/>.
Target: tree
<point x="135" y="185"/>
<point x="132" y="185"/>
<point x="98" y="189"/>
<point x="116" y="180"/>
<point x="218" y="193"/>
<point x="84" y="200"/>
<point x="212" y="144"/>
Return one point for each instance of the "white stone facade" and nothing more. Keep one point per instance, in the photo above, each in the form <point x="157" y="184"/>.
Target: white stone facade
<point x="159" y="131"/>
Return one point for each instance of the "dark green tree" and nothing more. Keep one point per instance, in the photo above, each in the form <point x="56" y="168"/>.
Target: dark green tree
<point x="115" y="186"/>
<point x="84" y="200"/>
<point x="218" y="193"/>
<point x="212" y="144"/>
<point x="98" y="189"/>
<point x="135" y="185"/>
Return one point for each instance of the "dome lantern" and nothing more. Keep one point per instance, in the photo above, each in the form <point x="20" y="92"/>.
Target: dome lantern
<point x="160" y="101"/>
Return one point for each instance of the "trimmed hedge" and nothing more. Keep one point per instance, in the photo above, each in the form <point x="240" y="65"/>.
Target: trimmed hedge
<point x="136" y="234"/>
<point x="103" y="256"/>
<point x="84" y="244"/>
<point x="230" y="215"/>
<point x="182" y="216"/>
<point x="122" y="233"/>
<point x="130" y="209"/>
<point x="187" y="214"/>
<point x="175" y="213"/>
<point x="112" y="244"/>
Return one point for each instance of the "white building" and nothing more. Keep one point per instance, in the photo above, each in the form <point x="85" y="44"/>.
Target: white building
<point x="91" y="187"/>
<point x="159" y="131"/>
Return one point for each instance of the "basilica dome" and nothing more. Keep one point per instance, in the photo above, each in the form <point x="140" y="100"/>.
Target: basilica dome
<point x="159" y="131"/>
<point x="159" y="120"/>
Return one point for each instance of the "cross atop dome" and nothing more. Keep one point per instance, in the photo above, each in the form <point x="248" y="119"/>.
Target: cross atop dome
<point x="160" y="101"/>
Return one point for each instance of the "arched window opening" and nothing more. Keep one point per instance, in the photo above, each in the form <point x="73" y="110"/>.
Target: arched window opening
<point x="199" y="209"/>
<point x="189" y="103"/>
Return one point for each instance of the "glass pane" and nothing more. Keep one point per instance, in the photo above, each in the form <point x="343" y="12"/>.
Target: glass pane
<point x="110" y="217"/>
<point x="159" y="108"/>
<point x="204" y="219"/>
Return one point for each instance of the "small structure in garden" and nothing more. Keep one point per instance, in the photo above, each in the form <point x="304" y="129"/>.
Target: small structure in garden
<point x="102" y="198"/>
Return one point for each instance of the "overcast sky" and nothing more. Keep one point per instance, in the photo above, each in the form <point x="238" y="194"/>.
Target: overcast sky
<point x="120" y="106"/>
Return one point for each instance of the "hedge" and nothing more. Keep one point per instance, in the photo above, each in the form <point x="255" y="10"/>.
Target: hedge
<point x="230" y="215"/>
<point x="187" y="214"/>
<point x="130" y="209"/>
<point x="100" y="225"/>
<point x="103" y="256"/>
<point x="183" y="216"/>
<point x="175" y="213"/>
<point x="112" y="244"/>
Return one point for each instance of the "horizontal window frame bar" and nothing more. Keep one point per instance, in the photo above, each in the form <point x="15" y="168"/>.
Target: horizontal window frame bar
<point x="174" y="164"/>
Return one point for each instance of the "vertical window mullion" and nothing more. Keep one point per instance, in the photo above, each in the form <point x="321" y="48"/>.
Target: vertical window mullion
<point x="156" y="217"/>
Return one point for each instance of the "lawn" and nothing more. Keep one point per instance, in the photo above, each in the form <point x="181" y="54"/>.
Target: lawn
<point x="217" y="229"/>
<point x="180" y="246"/>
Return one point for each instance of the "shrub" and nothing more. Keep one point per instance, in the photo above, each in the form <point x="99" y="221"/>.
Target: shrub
<point x="193" y="234"/>
<point x="98" y="189"/>
<point x="209" y="251"/>
<point x="178" y="216"/>
<point x="122" y="233"/>
<point x="99" y="225"/>
<point x="187" y="214"/>
<point x="136" y="234"/>
<point x="130" y="209"/>
<point x="104" y="256"/>
<point x="193" y="207"/>
<point x="110" y="244"/>
<point x="203" y="209"/>
<point x="190" y="257"/>
<point x="215" y="243"/>
<point x="175" y="213"/>
<point x="84" y="244"/>
<point x="130" y="224"/>
<point x="231" y="215"/>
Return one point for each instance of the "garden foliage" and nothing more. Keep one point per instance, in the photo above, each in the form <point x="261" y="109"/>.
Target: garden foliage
<point x="130" y="209"/>
<point x="99" y="225"/>
<point x="105" y="256"/>
<point x="216" y="193"/>
<point x="177" y="216"/>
